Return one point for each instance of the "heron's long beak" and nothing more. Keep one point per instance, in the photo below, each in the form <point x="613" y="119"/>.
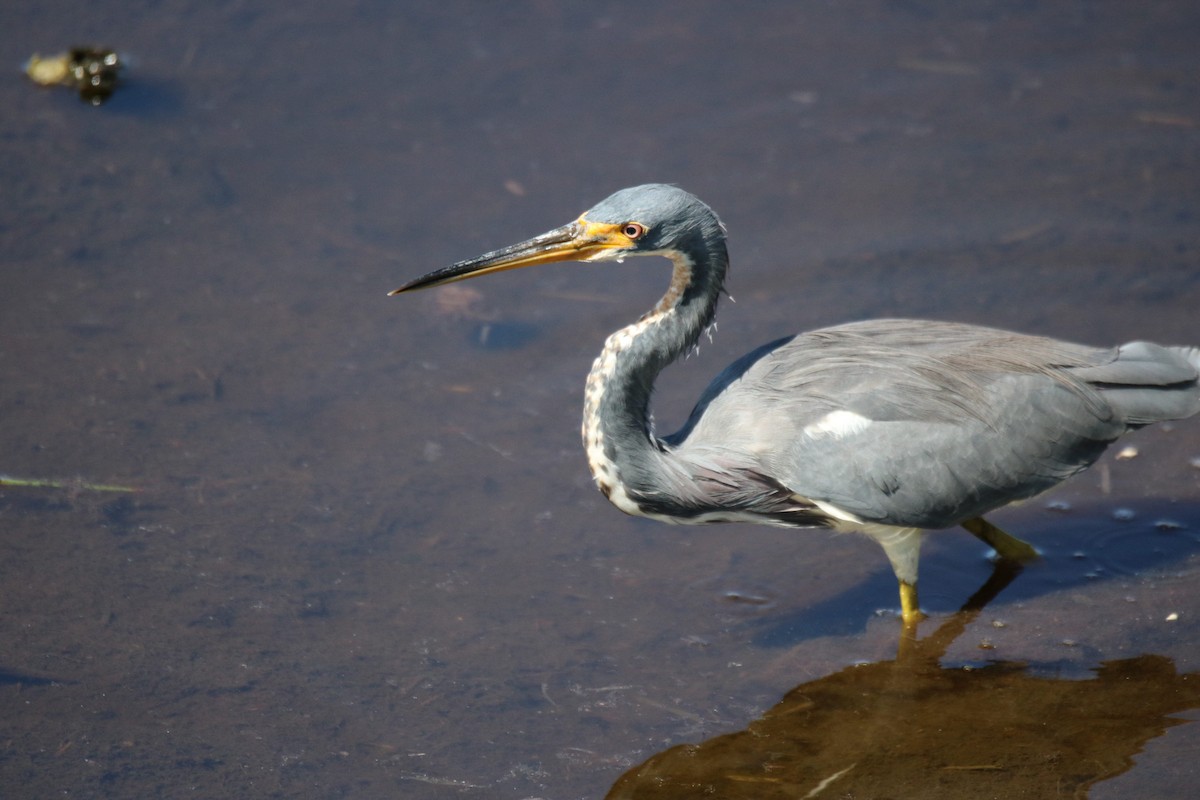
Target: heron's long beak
<point x="579" y="241"/>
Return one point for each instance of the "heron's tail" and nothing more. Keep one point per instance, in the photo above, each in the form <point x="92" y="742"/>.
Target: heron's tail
<point x="1148" y="383"/>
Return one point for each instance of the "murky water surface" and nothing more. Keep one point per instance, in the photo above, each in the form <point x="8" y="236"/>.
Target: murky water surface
<point x="365" y="558"/>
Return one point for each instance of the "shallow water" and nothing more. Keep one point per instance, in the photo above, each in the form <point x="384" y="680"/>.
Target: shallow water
<point x="366" y="558"/>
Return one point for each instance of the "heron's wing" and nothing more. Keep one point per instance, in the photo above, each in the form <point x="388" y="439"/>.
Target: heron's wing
<point x="925" y="424"/>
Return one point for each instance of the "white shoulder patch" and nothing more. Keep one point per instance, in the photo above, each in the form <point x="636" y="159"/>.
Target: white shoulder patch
<point x="837" y="424"/>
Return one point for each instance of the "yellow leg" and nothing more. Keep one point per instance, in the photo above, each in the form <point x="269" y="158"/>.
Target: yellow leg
<point x="1006" y="545"/>
<point x="910" y="609"/>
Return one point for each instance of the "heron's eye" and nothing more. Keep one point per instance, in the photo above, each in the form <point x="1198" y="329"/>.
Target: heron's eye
<point x="633" y="230"/>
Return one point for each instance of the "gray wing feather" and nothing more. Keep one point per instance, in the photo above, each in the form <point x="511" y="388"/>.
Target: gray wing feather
<point x="963" y="419"/>
<point x="1147" y="383"/>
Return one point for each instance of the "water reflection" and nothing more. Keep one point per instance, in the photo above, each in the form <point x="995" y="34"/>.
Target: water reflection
<point x="915" y="727"/>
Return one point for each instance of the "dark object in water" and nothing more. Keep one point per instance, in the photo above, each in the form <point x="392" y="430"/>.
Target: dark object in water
<point x="92" y="71"/>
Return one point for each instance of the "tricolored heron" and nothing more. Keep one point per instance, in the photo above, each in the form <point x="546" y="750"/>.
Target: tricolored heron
<point x="890" y="427"/>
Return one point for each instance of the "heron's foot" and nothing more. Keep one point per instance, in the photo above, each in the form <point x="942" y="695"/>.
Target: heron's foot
<point x="910" y="609"/>
<point x="1007" y="546"/>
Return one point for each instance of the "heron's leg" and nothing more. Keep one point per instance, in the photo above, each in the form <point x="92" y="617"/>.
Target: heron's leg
<point x="903" y="548"/>
<point x="910" y="609"/>
<point x="1006" y="545"/>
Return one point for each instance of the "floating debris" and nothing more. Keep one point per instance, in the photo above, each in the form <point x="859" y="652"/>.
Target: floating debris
<point x="73" y="485"/>
<point x="1123" y="514"/>
<point x="749" y="598"/>
<point x="92" y="71"/>
<point x="1127" y="453"/>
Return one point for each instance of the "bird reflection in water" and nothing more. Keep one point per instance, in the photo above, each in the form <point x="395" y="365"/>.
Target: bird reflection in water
<point x="911" y="727"/>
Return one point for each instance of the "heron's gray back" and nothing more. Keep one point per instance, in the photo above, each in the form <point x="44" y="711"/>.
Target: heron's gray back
<point x="926" y="424"/>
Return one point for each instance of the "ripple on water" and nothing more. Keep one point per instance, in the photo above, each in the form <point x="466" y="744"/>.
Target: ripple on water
<point x="1132" y="542"/>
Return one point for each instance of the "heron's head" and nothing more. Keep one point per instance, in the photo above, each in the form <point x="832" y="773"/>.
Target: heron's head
<point x="653" y="219"/>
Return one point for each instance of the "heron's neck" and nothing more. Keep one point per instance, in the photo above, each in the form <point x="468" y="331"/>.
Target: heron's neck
<point x="628" y="462"/>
